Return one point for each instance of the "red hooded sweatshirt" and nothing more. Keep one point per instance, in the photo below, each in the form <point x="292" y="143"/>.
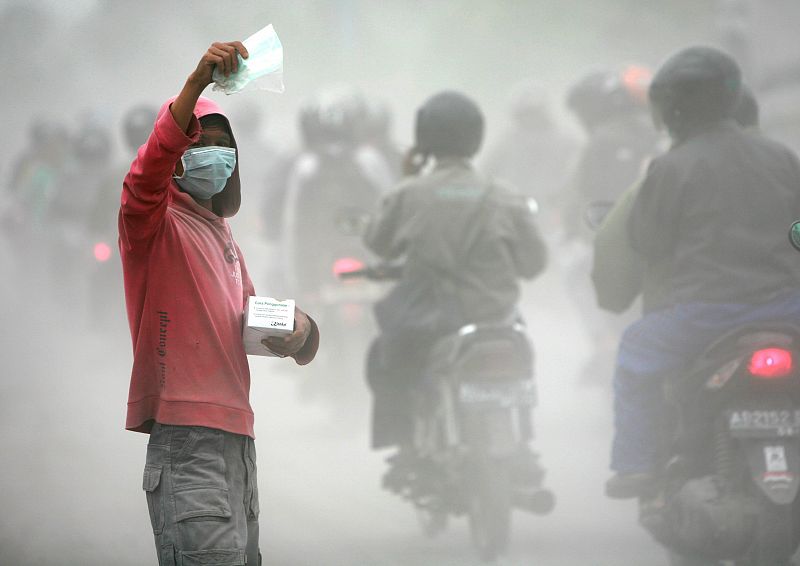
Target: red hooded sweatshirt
<point x="186" y="286"/>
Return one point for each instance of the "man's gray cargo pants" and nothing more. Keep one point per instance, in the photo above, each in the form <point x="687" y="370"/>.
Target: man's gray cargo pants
<point x="202" y="495"/>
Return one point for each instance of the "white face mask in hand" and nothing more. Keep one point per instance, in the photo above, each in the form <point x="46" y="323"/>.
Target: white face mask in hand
<point x="206" y="170"/>
<point x="263" y="68"/>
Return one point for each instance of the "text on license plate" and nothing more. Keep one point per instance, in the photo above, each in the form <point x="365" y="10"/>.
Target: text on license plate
<point x="778" y="422"/>
<point x="515" y="393"/>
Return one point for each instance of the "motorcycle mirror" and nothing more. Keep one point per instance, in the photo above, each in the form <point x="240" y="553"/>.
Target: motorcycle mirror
<point x="595" y="213"/>
<point x="794" y="235"/>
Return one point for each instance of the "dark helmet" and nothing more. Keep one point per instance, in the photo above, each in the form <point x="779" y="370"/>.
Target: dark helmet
<point x="746" y="112"/>
<point x="449" y="125"/>
<point x="137" y="124"/>
<point x="334" y="117"/>
<point x="694" y="88"/>
<point x="602" y="95"/>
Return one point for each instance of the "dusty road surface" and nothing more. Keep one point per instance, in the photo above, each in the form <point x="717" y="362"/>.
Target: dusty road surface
<point x="72" y="475"/>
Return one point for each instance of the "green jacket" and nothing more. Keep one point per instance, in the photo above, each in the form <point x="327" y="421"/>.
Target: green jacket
<point x="618" y="271"/>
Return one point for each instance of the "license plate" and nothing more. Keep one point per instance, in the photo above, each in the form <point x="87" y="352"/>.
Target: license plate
<point x="764" y="423"/>
<point x="509" y="394"/>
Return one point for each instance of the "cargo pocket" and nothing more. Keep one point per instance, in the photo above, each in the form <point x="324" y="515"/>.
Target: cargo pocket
<point x="202" y="504"/>
<point x="155" y="503"/>
<point x="212" y="558"/>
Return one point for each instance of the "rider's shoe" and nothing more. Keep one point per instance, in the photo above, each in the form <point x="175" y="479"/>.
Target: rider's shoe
<point x="629" y="486"/>
<point x="526" y="470"/>
<point x="401" y="467"/>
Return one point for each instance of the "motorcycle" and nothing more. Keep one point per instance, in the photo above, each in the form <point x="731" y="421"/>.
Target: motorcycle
<point x="728" y="469"/>
<point x="730" y="457"/>
<point x="471" y="430"/>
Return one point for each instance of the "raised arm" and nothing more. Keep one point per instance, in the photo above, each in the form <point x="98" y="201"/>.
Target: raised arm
<point x="145" y="188"/>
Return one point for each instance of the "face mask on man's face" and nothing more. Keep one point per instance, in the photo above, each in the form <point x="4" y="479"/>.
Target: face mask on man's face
<point x="206" y="170"/>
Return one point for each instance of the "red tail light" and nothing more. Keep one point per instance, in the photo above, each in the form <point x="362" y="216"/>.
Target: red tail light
<point x="346" y="265"/>
<point x="102" y="251"/>
<point x="770" y="363"/>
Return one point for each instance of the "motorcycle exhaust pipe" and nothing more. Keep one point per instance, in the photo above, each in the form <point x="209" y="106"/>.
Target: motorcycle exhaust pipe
<point x="538" y="501"/>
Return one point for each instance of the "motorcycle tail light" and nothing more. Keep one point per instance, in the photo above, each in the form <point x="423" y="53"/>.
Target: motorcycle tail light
<point x="102" y="252"/>
<point x="346" y="265"/>
<point x="771" y="363"/>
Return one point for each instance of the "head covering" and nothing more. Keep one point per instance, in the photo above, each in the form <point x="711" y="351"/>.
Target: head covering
<point x="227" y="202"/>
<point x="449" y="124"/>
<point x="694" y="88"/>
<point x="606" y="95"/>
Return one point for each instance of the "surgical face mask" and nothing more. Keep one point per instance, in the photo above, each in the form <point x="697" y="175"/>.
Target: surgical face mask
<point x="206" y="170"/>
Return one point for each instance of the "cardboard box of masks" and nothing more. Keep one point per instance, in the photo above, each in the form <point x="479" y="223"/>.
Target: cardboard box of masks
<point x="266" y="317"/>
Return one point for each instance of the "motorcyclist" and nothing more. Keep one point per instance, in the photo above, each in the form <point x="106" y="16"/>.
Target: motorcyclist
<point x="335" y="178"/>
<point x="71" y="216"/>
<point x="105" y="281"/>
<point x="377" y="134"/>
<point x="332" y="184"/>
<point x="618" y="271"/>
<point x="263" y="159"/>
<point x="611" y="106"/>
<point x="136" y="125"/>
<point x="531" y="155"/>
<point x="465" y="242"/>
<point x="708" y="221"/>
<point x="40" y="169"/>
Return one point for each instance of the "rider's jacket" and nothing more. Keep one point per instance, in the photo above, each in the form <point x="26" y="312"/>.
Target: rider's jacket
<point x="711" y="217"/>
<point x="324" y="189"/>
<point x="473" y="238"/>
<point x="613" y="158"/>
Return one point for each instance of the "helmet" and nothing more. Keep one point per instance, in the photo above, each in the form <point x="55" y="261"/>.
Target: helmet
<point x="694" y="88"/>
<point x="137" y="125"/>
<point x="334" y="117"/>
<point x="449" y="125"/>
<point x="746" y="111"/>
<point x="602" y="95"/>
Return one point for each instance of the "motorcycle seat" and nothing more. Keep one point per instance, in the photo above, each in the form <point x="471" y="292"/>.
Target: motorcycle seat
<point x="483" y="351"/>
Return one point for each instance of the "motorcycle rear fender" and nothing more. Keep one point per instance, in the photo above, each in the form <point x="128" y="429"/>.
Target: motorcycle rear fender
<point x="775" y="467"/>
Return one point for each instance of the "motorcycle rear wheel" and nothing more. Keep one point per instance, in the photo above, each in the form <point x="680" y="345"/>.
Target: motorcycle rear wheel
<point x="490" y="510"/>
<point x="776" y="541"/>
<point x="433" y="522"/>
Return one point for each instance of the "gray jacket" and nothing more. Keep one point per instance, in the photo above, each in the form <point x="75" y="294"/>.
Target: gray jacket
<point x="462" y="236"/>
<point x="711" y="220"/>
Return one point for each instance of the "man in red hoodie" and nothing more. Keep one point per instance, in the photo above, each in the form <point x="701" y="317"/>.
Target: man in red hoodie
<point x="186" y="286"/>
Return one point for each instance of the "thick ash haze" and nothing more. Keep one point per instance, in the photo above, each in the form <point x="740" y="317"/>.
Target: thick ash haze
<point x="72" y="475"/>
